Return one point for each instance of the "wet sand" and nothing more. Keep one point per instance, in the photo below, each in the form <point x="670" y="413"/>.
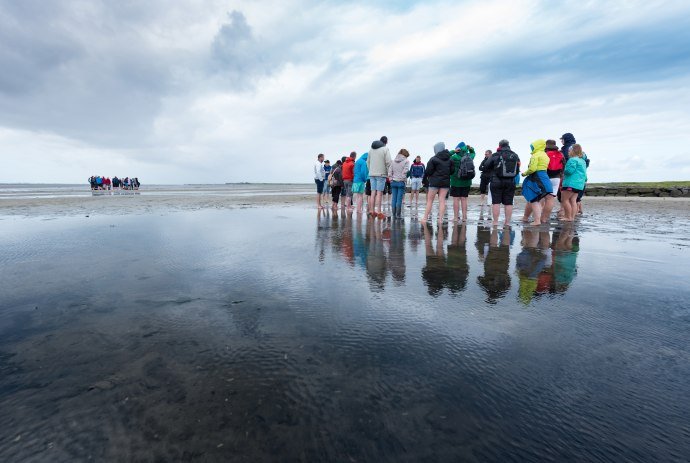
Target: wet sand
<point x="179" y="327"/>
<point x="165" y="200"/>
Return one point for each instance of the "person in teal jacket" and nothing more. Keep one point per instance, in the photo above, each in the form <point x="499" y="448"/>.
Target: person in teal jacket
<point x="574" y="179"/>
<point x="459" y="188"/>
<point x="361" y="173"/>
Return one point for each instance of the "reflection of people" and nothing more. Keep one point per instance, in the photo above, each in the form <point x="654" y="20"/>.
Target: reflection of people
<point x="565" y="248"/>
<point x="435" y="271"/>
<point x="496" y="280"/>
<point x="529" y="264"/>
<point x="458" y="268"/>
<point x="396" y="253"/>
<point x="376" y="256"/>
<point x="414" y="234"/>
<point x="482" y="243"/>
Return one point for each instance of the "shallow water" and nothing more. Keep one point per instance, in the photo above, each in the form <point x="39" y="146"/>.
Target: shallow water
<point x="280" y="334"/>
<point x="35" y="191"/>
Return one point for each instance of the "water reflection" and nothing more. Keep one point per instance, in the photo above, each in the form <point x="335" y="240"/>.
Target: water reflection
<point x="390" y="253"/>
<point x="445" y="268"/>
<point x="496" y="281"/>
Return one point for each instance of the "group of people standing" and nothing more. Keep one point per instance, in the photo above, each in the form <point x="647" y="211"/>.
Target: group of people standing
<point x="98" y="182"/>
<point x="551" y="173"/>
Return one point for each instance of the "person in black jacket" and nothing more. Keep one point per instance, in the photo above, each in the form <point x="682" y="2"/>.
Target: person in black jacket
<point x="484" y="178"/>
<point x="504" y="165"/>
<point x="438" y="175"/>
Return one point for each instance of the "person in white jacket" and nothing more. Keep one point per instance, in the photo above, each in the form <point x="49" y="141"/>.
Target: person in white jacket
<point x="319" y="176"/>
<point x="378" y="162"/>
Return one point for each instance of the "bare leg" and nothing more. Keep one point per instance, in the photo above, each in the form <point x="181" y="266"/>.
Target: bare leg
<point x="548" y="207"/>
<point x="456" y="209"/>
<point x="496" y="210"/>
<point x="536" y="212"/>
<point x="528" y="211"/>
<point x="441" y="203"/>
<point x="565" y="204"/>
<point x="573" y="206"/>
<point x="463" y="202"/>
<point x="509" y="214"/>
<point x="429" y="204"/>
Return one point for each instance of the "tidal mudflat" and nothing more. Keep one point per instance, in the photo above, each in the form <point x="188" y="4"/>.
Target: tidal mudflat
<point x="281" y="334"/>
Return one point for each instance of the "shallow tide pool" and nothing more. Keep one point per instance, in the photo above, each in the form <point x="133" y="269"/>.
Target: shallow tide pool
<point x="283" y="334"/>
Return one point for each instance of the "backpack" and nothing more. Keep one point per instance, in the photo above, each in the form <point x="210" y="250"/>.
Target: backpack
<point x="555" y="161"/>
<point x="466" y="169"/>
<point x="507" y="165"/>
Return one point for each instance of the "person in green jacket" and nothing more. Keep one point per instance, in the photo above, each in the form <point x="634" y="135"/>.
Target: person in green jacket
<point x="459" y="188"/>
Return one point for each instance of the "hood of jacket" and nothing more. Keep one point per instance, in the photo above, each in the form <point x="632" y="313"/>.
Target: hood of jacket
<point x="377" y="144"/>
<point x="363" y="157"/>
<point x="538" y="145"/>
<point x="438" y="147"/>
<point x="568" y="138"/>
<point x="349" y="161"/>
<point x="443" y="155"/>
<point x="400" y="158"/>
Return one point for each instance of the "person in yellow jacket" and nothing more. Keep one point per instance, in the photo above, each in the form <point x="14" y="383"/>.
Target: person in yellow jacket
<point x="537" y="185"/>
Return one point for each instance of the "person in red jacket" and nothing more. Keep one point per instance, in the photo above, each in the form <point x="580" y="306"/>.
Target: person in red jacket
<point x="348" y="177"/>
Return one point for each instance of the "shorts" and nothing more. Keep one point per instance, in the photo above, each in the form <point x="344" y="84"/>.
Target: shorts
<point x="415" y="183"/>
<point x="459" y="191"/>
<point x="347" y="188"/>
<point x="319" y="186"/>
<point x="555" y="184"/>
<point x="581" y="194"/>
<point x="484" y="185"/>
<point x="502" y="191"/>
<point x="358" y="188"/>
<point x="378" y="183"/>
<point x="574" y="190"/>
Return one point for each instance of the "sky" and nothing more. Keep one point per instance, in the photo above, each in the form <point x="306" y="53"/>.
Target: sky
<point x="215" y="91"/>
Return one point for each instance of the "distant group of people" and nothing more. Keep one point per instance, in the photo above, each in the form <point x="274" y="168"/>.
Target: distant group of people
<point x="98" y="182"/>
<point x="552" y="173"/>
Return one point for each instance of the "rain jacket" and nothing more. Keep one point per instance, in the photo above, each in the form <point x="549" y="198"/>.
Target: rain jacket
<point x="348" y="169"/>
<point x="361" y="170"/>
<point x="539" y="160"/>
<point x="486" y="173"/>
<point x="568" y="141"/>
<point x="417" y="170"/>
<point x="438" y="170"/>
<point x="379" y="160"/>
<point x="455" y="166"/>
<point x="575" y="173"/>
<point x="397" y="171"/>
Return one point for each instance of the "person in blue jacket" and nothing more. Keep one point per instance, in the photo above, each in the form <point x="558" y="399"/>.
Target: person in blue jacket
<point x="359" y="182"/>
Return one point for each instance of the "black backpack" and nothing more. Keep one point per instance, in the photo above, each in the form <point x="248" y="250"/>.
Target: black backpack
<point x="466" y="169"/>
<point x="507" y="165"/>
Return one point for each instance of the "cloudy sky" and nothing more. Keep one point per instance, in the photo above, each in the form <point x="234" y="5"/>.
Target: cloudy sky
<point x="207" y="91"/>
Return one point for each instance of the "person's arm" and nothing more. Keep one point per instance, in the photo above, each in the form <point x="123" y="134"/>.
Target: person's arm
<point x="430" y="168"/>
<point x="570" y="167"/>
<point x="387" y="158"/>
<point x="532" y="167"/>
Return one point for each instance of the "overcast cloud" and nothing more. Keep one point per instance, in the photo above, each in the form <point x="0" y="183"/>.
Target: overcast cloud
<point x="199" y="91"/>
